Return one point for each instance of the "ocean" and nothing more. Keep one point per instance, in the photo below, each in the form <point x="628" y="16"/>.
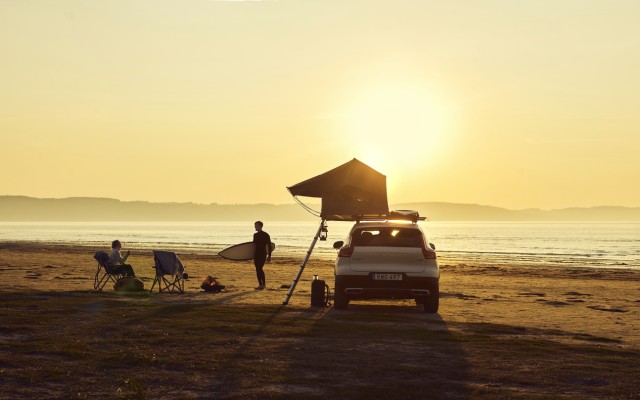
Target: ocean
<point x="597" y="245"/>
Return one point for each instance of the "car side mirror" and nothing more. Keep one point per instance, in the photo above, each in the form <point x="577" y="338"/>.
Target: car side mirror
<point x="338" y="245"/>
<point x="433" y="246"/>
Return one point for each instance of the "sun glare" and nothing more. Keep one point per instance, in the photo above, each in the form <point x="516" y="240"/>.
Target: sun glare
<point x="398" y="125"/>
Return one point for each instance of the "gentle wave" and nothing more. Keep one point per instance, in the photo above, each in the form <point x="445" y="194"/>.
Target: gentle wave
<point x="565" y="244"/>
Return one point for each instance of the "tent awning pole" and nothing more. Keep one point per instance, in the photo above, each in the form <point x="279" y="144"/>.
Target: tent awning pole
<point x="304" y="263"/>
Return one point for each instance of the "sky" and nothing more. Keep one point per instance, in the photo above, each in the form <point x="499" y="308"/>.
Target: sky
<point x="507" y="103"/>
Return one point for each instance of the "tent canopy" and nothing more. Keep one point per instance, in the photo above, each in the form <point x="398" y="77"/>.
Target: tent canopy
<point x="350" y="192"/>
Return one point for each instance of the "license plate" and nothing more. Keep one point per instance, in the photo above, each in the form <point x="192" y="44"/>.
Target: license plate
<point x="387" y="277"/>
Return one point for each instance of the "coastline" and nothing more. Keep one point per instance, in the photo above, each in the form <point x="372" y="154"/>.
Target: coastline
<point x="481" y="258"/>
<point x="48" y="267"/>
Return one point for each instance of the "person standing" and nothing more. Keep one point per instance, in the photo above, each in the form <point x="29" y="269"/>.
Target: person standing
<point x="262" y="241"/>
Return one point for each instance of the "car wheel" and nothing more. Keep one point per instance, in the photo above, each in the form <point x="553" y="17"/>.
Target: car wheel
<point x="340" y="299"/>
<point x="432" y="301"/>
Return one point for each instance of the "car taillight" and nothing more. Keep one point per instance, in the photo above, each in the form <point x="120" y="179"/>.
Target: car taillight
<point x="428" y="254"/>
<point x="345" y="251"/>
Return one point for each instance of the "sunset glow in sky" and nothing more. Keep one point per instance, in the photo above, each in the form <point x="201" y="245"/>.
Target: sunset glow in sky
<point x="512" y="104"/>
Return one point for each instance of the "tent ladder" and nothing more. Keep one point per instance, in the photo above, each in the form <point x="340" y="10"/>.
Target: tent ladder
<point x="304" y="263"/>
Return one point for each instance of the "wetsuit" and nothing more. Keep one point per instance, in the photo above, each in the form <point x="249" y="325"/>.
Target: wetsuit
<point x="263" y="242"/>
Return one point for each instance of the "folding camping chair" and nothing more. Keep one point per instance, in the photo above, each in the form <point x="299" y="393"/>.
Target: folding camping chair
<point x="168" y="264"/>
<point x="104" y="273"/>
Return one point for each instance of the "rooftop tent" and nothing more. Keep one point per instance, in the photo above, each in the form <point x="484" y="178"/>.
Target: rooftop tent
<point x="348" y="192"/>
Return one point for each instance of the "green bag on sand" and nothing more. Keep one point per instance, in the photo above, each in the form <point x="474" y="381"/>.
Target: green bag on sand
<point x="129" y="284"/>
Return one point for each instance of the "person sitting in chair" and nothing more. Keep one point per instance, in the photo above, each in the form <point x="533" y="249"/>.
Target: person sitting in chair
<point x="116" y="261"/>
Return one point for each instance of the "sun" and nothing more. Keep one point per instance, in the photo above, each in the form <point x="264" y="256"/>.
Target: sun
<point x="398" y="125"/>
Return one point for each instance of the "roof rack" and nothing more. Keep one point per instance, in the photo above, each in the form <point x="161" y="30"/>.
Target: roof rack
<point x="405" y="215"/>
<point x="396" y="215"/>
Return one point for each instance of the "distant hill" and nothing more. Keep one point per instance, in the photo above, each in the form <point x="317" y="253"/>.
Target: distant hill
<point x="20" y="208"/>
<point x="436" y="211"/>
<point x="25" y="209"/>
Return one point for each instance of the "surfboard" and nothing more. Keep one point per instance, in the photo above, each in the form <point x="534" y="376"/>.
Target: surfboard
<point x="242" y="251"/>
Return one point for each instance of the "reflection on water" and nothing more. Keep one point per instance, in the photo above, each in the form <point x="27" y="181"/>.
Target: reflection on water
<point x="571" y="244"/>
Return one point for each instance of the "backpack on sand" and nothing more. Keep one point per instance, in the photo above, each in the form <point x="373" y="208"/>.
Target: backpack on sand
<point x="211" y="285"/>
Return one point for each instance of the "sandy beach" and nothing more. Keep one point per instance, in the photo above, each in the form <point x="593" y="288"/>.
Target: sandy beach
<point x="503" y="331"/>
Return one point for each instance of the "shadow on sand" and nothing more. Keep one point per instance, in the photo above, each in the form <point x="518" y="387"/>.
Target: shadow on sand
<point x="103" y="345"/>
<point x="380" y="351"/>
<point x="368" y="351"/>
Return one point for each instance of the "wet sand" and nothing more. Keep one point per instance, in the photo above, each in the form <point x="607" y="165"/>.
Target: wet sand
<point x="582" y="311"/>
<point x="597" y="301"/>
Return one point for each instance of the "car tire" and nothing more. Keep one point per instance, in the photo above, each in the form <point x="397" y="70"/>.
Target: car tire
<point x="340" y="299"/>
<point x="432" y="302"/>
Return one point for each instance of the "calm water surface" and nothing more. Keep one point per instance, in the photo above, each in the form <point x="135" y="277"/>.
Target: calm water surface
<point x="572" y="244"/>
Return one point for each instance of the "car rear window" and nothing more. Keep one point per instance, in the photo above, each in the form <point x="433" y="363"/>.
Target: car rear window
<point x="387" y="237"/>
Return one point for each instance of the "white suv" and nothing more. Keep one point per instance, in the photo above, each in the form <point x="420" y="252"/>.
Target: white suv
<point x="387" y="260"/>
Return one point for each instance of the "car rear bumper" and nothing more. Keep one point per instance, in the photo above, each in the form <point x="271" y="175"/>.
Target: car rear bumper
<point x="364" y="286"/>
